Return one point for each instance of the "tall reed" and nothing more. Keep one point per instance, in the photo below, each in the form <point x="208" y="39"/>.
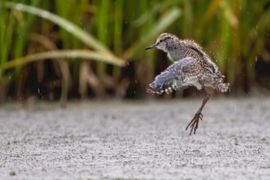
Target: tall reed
<point x="115" y="33"/>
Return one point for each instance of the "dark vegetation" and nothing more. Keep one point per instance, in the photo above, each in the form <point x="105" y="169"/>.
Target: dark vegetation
<point x="95" y="48"/>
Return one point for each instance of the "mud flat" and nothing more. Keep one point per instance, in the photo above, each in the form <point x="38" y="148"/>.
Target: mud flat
<point x="142" y="140"/>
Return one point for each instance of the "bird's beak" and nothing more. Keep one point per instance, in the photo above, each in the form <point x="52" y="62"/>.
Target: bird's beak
<point x="151" y="47"/>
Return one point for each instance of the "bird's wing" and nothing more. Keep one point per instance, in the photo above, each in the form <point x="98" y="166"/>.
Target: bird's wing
<point x="184" y="72"/>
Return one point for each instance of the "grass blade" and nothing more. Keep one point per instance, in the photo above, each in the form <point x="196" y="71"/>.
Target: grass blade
<point x="68" y="26"/>
<point x="163" y="24"/>
<point x="58" y="54"/>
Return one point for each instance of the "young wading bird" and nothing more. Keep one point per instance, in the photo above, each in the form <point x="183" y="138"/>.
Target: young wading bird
<point x="191" y="67"/>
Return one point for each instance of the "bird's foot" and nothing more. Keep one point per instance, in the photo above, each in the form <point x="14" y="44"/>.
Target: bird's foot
<point x="194" y="123"/>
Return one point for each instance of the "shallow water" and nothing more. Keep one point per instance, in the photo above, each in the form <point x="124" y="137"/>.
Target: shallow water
<point x="143" y="140"/>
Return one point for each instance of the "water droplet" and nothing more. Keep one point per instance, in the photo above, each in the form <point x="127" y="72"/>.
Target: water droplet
<point x="69" y="28"/>
<point x="19" y="6"/>
<point x="45" y="14"/>
<point x="39" y="91"/>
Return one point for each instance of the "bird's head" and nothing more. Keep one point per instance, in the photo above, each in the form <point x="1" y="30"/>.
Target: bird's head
<point x="164" y="42"/>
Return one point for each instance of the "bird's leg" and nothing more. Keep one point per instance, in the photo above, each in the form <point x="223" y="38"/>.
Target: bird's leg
<point x="194" y="123"/>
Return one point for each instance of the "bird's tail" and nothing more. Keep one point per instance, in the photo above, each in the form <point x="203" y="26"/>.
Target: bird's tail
<point x="220" y="84"/>
<point x="224" y="87"/>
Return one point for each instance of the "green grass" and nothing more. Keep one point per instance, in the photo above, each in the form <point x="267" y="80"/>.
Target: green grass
<point x="64" y="35"/>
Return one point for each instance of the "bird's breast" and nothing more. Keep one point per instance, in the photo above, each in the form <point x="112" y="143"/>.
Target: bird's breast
<point x="169" y="56"/>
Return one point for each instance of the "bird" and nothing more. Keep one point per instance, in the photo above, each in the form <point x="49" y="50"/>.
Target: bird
<point x="191" y="66"/>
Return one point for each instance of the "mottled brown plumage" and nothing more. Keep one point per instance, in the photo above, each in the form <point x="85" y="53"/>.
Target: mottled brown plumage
<point x="191" y="67"/>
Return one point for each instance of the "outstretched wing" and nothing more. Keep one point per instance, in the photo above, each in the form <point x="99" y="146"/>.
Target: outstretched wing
<point x="184" y="72"/>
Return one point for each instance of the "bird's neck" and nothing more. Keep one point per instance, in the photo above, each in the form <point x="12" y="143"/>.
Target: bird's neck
<point x="175" y="51"/>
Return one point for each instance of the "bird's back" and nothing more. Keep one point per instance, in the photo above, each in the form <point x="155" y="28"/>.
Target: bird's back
<point x="210" y="76"/>
<point x="196" y="51"/>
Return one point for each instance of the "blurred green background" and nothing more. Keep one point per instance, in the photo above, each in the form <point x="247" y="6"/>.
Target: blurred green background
<point x="66" y="49"/>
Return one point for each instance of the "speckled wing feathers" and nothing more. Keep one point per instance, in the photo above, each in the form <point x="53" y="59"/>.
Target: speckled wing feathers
<point x="182" y="73"/>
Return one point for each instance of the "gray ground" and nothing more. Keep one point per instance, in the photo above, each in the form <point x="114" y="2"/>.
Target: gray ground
<point x="143" y="140"/>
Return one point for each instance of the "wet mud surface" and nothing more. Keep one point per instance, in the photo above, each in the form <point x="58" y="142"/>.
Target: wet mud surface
<point x="142" y="140"/>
